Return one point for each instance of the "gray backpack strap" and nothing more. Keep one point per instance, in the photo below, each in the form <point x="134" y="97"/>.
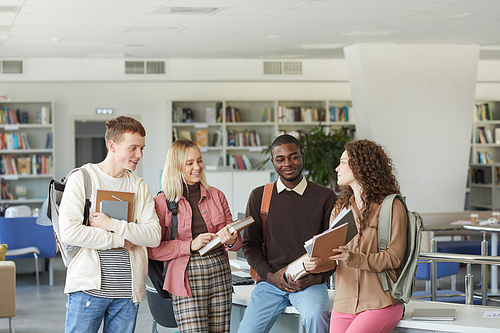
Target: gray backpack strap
<point x="87" y="183"/>
<point x="384" y="231"/>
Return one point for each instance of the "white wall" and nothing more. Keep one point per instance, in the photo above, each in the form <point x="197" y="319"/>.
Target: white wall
<point x="77" y="87"/>
<point x="147" y="100"/>
<point x="417" y="101"/>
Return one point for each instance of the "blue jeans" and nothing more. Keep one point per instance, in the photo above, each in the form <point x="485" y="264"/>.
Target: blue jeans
<point x="268" y="302"/>
<point x="85" y="313"/>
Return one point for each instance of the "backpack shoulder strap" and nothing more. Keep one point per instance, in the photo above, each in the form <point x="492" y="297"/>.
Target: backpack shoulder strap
<point x="264" y="207"/>
<point x="174" y="208"/>
<point x="384" y="231"/>
<point x="87" y="184"/>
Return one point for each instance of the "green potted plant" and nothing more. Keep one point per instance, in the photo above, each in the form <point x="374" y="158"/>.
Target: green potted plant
<point x="322" y="151"/>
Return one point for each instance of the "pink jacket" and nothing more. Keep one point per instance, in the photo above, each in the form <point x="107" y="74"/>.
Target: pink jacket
<point x="215" y="211"/>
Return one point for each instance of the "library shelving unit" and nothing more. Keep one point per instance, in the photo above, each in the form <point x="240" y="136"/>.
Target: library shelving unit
<point x="484" y="174"/>
<point x="235" y="132"/>
<point x="26" y="152"/>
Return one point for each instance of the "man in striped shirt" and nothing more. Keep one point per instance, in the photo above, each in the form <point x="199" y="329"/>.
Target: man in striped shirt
<point x="106" y="279"/>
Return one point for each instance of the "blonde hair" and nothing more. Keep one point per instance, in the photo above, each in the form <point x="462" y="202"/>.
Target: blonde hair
<point x="172" y="179"/>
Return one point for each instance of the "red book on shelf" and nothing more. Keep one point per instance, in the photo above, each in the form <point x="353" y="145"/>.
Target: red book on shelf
<point x="241" y="165"/>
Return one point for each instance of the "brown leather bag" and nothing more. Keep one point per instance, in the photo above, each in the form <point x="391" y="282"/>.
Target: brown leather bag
<point x="264" y="210"/>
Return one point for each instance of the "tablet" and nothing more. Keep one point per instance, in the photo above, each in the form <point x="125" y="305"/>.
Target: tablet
<point x="433" y="314"/>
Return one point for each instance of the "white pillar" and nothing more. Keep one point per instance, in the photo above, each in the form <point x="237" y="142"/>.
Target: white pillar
<point x="417" y="101"/>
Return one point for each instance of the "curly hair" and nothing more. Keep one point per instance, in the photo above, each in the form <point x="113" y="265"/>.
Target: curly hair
<point x="373" y="170"/>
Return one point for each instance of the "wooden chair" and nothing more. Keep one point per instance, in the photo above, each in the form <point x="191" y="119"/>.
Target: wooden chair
<point x="8" y="292"/>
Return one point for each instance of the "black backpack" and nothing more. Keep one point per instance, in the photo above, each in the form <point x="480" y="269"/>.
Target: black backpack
<point x="157" y="270"/>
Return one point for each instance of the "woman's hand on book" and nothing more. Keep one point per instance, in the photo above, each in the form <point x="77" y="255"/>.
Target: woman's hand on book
<point x="100" y="220"/>
<point x="226" y="237"/>
<point x="201" y="241"/>
<point x="341" y="254"/>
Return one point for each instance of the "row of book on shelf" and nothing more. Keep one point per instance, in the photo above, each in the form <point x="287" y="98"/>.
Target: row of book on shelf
<point x="484" y="157"/>
<point x="11" y="141"/>
<point x="478" y="176"/>
<point x="341" y="114"/>
<point x="187" y="115"/>
<point x="239" y="162"/>
<point x="26" y="165"/>
<point x="300" y="114"/>
<point x="12" y="117"/>
<point x="484" y="135"/>
<point x="216" y="114"/>
<point x="6" y="194"/>
<point x="203" y="138"/>
<point x="482" y="112"/>
<point x="310" y="114"/>
<point x="243" y="138"/>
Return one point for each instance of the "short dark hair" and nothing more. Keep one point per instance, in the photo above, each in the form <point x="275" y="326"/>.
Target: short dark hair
<point x="116" y="127"/>
<point x="284" y="139"/>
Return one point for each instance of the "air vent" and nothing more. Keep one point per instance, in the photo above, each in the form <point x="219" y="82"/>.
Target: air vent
<point x="134" y="67"/>
<point x="292" y="67"/>
<point x="279" y="68"/>
<point x="12" y="67"/>
<point x="272" y="68"/>
<point x="145" y="67"/>
<point x="155" y="67"/>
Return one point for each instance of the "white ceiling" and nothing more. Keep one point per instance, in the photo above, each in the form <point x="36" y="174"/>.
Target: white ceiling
<point x="238" y="28"/>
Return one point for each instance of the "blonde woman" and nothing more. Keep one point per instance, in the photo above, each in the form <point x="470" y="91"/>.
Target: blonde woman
<point x="201" y="286"/>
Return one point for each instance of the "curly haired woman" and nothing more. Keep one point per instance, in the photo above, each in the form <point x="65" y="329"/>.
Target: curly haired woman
<point x="361" y="305"/>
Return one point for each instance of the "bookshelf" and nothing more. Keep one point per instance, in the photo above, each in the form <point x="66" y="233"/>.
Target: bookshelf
<point x="245" y="128"/>
<point x="26" y="152"/>
<point x="484" y="171"/>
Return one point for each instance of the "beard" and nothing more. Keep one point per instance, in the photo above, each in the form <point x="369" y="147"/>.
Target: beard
<point x="293" y="178"/>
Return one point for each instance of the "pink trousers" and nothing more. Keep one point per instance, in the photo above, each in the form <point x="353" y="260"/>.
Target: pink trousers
<point x="374" y="321"/>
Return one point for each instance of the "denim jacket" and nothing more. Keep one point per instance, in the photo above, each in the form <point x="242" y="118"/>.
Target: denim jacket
<point x="216" y="213"/>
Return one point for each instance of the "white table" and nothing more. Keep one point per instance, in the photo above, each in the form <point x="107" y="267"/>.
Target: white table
<point x="469" y="318"/>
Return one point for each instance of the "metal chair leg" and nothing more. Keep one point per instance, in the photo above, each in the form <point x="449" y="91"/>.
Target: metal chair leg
<point x="37" y="273"/>
<point x="11" y="325"/>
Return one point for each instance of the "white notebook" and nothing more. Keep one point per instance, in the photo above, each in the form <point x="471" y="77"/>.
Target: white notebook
<point x="434" y="314"/>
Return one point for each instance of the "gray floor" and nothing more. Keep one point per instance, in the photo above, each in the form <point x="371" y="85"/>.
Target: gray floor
<point x="44" y="312"/>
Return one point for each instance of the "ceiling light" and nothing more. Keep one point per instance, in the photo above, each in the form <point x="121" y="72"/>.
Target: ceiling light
<point x="273" y="36"/>
<point x="320" y="46"/>
<point x="56" y="39"/>
<point x="154" y="30"/>
<point x="187" y="10"/>
<point x="490" y="47"/>
<point x="368" y="33"/>
<point x="9" y="9"/>
<point x="106" y="55"/>
<point x="429" y="15"/>
<point x="284" y="56"/>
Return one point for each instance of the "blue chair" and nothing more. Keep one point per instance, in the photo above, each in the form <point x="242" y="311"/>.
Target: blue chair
<point x="26" y="239"/>
<point x="443" y="269"/>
